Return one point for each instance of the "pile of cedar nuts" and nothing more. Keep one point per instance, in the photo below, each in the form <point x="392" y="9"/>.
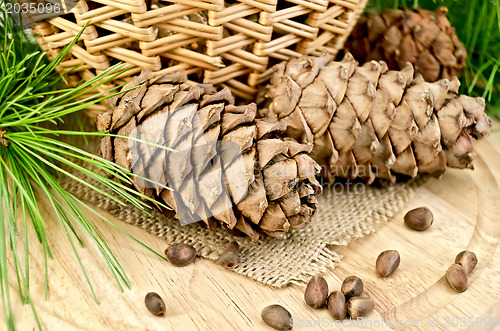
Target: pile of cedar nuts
<point x="351" y="301"/>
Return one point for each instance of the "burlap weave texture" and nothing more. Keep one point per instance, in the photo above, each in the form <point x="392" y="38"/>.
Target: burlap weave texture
<point x="344" y="213"/>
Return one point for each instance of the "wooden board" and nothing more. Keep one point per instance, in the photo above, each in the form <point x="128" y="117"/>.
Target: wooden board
<point x="466" y="205"/>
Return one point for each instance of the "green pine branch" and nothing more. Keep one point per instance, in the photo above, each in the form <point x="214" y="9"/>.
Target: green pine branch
<point x="478" y="26"/>
<point x="32" y="157"/>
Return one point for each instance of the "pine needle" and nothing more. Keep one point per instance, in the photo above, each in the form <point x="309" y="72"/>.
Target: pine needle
<point x="32" y="157"/>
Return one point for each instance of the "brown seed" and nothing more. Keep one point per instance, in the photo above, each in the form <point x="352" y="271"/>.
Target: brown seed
<point x="277" y="317"/>
<point x="154" y="303"/>
<point x="359" y="307"/>
<point x="387" y="262"/>
<point x="419" y="219"/>
<point x="352" y="287"/>
<point x="467" y="259"/>
<point x="231" y="255"/>
<point x="180" y="254"/>
<point x="316" y="292"/>
<point x="336" y="305"/>
<point x="457" y="277"/>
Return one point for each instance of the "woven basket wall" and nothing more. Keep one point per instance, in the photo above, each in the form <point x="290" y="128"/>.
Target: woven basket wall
<point x="230" y="43"/>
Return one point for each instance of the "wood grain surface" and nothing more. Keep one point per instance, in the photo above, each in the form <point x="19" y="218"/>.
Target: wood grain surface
<point x="203" y="296"/>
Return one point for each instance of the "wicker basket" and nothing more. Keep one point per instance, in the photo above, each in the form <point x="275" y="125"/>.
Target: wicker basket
<point x="230" y="43"/>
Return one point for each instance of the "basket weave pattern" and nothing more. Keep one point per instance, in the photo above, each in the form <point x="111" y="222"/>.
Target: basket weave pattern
<point x="230" y="43"/>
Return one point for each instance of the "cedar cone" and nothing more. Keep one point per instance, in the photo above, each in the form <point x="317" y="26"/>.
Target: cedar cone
<point x="228" y="168"/>
<point x="367" y="121"/>
<point x="422" y="37"/>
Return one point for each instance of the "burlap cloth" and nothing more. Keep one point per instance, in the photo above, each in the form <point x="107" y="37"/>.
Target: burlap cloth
<point x="344" y="213"/>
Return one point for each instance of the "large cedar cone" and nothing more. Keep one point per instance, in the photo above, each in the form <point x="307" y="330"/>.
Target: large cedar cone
<point x="422" y="37"/>
<point x="367" y="121"/>
<point x="229" y="168"/>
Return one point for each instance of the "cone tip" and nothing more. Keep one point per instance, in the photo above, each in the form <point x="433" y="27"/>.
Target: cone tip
<point x="442" y="10"/>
